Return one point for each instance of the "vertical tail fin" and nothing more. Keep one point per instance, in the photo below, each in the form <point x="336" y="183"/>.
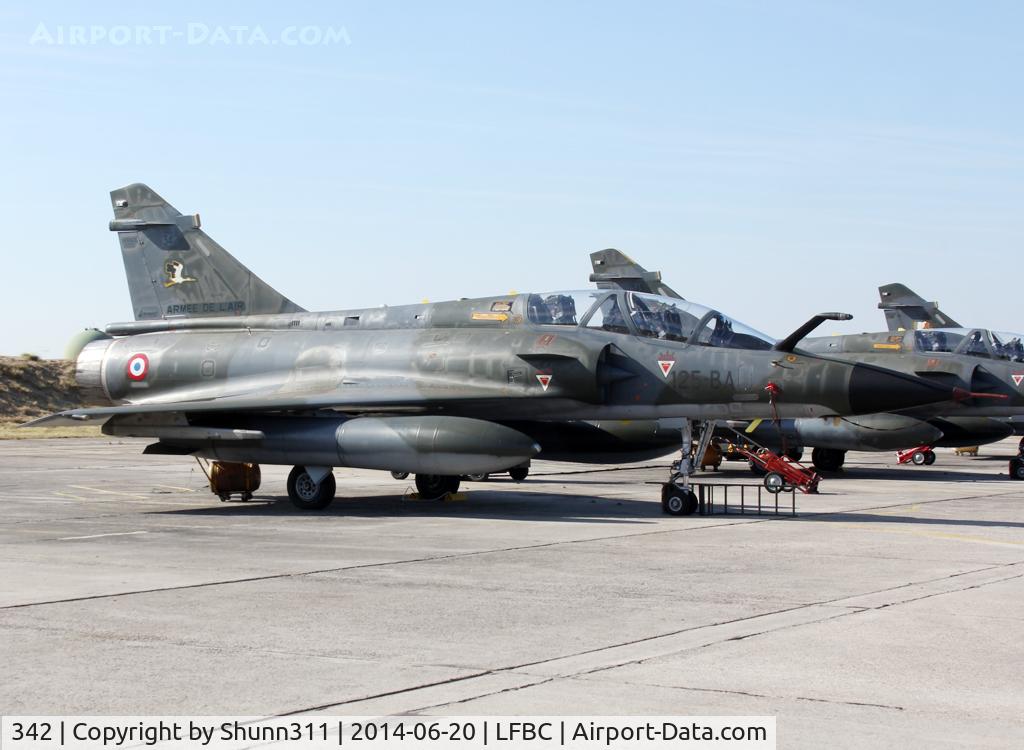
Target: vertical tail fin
<point x="904" y="310"/>
<point x="614" y="269"/>
<point x="175" y="269"/>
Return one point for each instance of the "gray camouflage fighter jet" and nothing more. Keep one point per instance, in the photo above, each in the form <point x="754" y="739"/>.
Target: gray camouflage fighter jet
<point x="219" y="365"/>
<point x="905" y="311"/>
<point x="988" y="365"/>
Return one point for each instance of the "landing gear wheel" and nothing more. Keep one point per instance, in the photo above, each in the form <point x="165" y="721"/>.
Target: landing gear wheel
<point x="929" y="458"/>
<point x="399" y="475"/>
<point x="306" y="494"/>
<point x="1017" y="468"/>
<point x="477" y="477"/>
<point x="436" y="486"/>
<point x="919" y="458"/>
<point x="828" y="459"/>
<point x="675" y="501"/>
<point x="774" y="483"/>
<point x="519" y="473"/>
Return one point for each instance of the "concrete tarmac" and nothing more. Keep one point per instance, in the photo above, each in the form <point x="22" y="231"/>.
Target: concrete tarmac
<point x="888" y="613"/>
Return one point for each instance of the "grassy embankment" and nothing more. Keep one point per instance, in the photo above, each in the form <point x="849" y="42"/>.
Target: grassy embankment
<point x="32" y="387"/>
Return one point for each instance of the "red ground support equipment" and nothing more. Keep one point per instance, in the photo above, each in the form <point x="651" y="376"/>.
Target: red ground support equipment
<point x="922" y="455"/>
<point x="782" y="472"/>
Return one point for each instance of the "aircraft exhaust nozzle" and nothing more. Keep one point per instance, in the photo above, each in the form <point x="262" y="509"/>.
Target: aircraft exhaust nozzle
<point x="89" y="362"/>
<point x="874" y="390"/>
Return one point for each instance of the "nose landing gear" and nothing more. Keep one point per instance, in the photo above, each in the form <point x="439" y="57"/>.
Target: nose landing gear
<point x="677" y="497"/>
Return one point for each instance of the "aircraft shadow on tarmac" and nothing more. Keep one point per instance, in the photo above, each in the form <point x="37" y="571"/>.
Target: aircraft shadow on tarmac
<point x="847" y="517"/>
<point x="481" y="504"/>
<point x="928" y="474"/>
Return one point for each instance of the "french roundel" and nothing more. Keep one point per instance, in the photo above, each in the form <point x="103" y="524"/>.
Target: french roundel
<point x="138" y="366"/>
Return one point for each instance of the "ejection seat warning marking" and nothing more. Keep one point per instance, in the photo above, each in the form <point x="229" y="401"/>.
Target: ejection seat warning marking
<point x="666" y="366"/>
<point x="544" y="380"/>
<point x="1018" y="378"/>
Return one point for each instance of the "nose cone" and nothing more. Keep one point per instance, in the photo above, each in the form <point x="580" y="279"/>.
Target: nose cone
<point x="874" y="389"/>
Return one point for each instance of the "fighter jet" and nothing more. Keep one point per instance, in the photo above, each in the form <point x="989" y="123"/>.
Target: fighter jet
<point x="989" y="365"/>
<point x="219" y="365"/>
<point x="906" y="311"/>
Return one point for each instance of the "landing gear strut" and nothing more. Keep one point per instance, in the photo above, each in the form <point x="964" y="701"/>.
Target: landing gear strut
<point x="311" y="489"/>
<point x="677" y="497"/>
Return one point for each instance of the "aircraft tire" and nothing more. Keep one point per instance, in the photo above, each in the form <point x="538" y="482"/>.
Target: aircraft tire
<point x="519" y="473"/>
<point x="307" y="496"/>
<point x="675" y="501"/>
<point x="828" y="459"/>
<point x="399" y="475"/>
<point x="436" y="486"/>
<point x="477" y="477"/>
<point x="929" y="458"/>
<point x="1017" y="468"/>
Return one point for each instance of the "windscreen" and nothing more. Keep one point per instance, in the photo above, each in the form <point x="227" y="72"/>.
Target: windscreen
<point x="663" y="317"/>
<point x="1008" y="345"/>
<point x="561" y="308"/>
<point x="650" y="315"/>
<point x="977" y="342"/>
<point x="678" y="320"/>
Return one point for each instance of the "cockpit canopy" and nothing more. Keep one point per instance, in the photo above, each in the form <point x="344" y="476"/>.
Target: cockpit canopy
<point x="976" y="342"/>
<point x="646" y="315"/>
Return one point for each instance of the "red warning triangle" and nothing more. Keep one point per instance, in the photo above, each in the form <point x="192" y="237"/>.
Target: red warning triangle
<point x="544" y="380"/>
<point x="666" y="366"/>
<point x="1017" y="378"/>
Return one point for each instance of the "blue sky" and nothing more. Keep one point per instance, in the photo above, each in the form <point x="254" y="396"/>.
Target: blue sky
<point x="771" y="159"/>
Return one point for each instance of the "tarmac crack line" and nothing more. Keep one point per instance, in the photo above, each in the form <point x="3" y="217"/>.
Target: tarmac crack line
<point x="751" y="694"/>
<point x="837" y="616"/>
<point x="630" y="662"/>
<point x="456" y="556"/>
<point x="363" y="566"/>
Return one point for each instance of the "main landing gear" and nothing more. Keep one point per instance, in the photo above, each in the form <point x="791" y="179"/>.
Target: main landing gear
<point x="828" y="459"/>
<point x="677" y="496"/>
<point x="436" y="486"/>
<point x="517" y="473"/>
<point x="312" y="488"/>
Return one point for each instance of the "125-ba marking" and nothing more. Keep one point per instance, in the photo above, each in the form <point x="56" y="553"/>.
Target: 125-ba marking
<point x="683" y="379"/>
